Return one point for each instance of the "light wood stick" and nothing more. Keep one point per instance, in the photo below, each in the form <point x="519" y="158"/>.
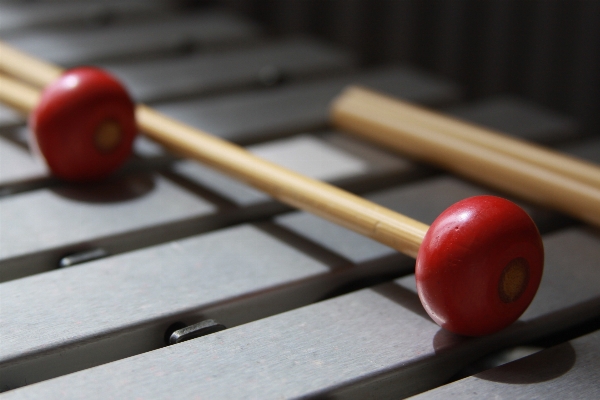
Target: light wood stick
<point x="379" y="223"/>
<point x="561" y="163"/>
<point x="395" y="230"/>
<point x="17" y="95"/>
<point x="376" y="120"/>
<point x="26" y="68"/>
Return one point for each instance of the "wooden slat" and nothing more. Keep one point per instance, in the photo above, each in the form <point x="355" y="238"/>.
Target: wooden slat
<point x="375" y="342"/>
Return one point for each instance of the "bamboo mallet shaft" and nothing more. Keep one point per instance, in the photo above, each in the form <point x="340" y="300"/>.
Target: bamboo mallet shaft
<point x="383" y="225"/>
<point x="374" y="117"/>
<point x="26" y="68"/>
<point x="411" y="114"/>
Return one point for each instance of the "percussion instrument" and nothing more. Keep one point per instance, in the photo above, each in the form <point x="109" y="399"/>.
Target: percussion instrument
<point x="311" y="309"/>
<point x="84" y="125"/>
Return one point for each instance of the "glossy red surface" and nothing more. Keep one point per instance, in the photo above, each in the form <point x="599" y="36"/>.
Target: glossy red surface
<point x="68" y="117"/>
<point x="462" y="259"/>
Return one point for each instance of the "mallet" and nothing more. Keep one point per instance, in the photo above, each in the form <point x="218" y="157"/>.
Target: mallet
<point x="478" y="265"/>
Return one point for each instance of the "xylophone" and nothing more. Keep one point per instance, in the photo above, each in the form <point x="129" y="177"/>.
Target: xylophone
<point x="258" y="265"/>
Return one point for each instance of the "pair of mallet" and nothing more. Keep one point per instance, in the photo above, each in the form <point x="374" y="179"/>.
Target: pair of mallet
<point x="478" y="265"/>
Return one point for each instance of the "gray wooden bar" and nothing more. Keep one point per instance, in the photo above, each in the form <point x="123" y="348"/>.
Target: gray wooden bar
<point x="264" y="65"/>
<point x="570" y="370"/>
<point x="144" y="208"/>
<point x="19" y="16"/>
<point x="167" y="35"/>
<point x="375" y="342"/>
<point x="9" y="118"/>
<point x="271" y="269"/>
<point x="519" y="117"/>
<point x="235" y="276"/>
<point x="587" y="149"/>
<point x="333" y="157"/>
<point x="16" y="163"/>
<point x="248" y="116"/>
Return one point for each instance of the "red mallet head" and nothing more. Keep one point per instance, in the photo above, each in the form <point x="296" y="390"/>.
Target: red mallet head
<point x="479" y="265"/>
<point x="84" y="124"/>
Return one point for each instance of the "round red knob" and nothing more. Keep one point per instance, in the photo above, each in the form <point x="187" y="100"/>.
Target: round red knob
<point x="84" y="125"/>
<point x="479" y="265"/>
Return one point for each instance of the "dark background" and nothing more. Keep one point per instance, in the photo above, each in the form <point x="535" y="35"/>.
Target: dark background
<point x="545" y="51"/>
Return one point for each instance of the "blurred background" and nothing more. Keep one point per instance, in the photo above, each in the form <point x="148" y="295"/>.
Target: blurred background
<point x="547" y="51"/>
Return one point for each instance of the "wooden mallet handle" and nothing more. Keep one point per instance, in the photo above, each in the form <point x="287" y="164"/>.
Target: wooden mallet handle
<point x="530" y="172"/>
<point x="353" y="212"/>
<point x="411" y="115"/>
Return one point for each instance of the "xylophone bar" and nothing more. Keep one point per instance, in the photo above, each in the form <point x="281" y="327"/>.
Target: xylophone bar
<point x="265" y="65"/>
<point x="17" y="17"/>
<point x="234" y="275"/>
<point x="167" y="35"/>
<point x="570" y="369"/>
<point x="373" y="342"/>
